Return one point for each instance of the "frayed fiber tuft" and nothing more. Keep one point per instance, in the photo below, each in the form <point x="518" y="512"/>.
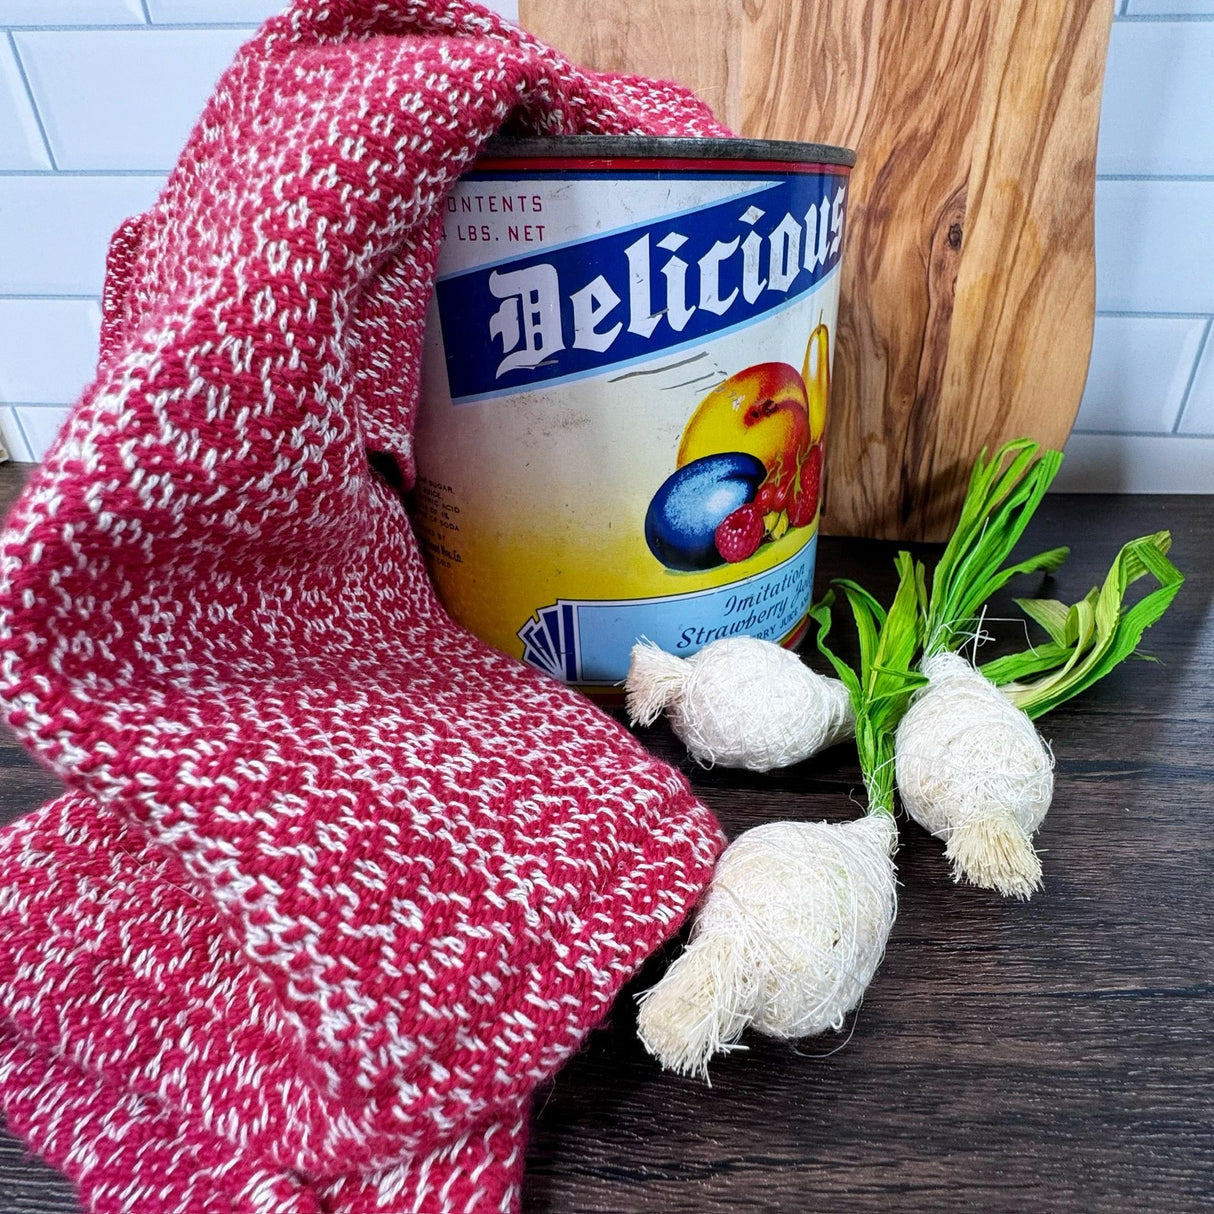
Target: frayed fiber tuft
<point x="655" y="680"/>
<point x="995" y="853"/>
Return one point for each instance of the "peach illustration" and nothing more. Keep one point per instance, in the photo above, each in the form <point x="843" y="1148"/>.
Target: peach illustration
<point x="761" y="410"/>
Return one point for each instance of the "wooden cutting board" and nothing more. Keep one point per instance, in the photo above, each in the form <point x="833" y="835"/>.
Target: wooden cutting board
<point x="968" y="290"/>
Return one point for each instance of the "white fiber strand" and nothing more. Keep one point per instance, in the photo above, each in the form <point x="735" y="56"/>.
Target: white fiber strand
<point x="790" y="933"/>
<point x="740" y="702"/>
<point x="973" y="770"/>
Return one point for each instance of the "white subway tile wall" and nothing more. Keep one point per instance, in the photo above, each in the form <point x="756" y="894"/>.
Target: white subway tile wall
<point x="55" y="228"/>
<point x="1140" y="371"/>
<point x="1198" y="415"/>
<point x="1159" y="81"/>
<point x="1146" y="424"/>
<point x="48" y="348"/>
<point x="71" y="12"/>
<point x="39" y="426"/>
<point x="122" y="99"/>
<point x="21" y="142"/>
<point x="213" y="12"/>
<point x="1155" y="244"/>
<point x="1136" y="463"/>
<point x="11" y="437"/>
<point x="96" y="97"/>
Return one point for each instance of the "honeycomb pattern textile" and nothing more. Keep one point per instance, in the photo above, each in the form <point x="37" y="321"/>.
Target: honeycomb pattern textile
<point x="334" y="885"/>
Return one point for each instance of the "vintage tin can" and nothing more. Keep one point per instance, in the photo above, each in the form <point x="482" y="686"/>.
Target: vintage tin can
<point x="624" y="394"/>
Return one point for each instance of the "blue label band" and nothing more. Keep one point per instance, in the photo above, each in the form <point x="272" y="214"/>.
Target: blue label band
<point x="581" y="308"/>
<point x="589" y="641"/>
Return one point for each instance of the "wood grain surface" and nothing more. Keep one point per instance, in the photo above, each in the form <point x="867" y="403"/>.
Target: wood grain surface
<point x="968" y="291"/>
<point x="1055" y="1055"/>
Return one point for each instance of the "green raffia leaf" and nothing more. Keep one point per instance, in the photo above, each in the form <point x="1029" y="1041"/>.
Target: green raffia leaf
<point x="881" y="689"/>
<point x="1003" y="494"/>
<point x="869" y="616"/>
<point x="1050" y="614"/>
<point x="820" y="613"/>
<point x="1098" y="634"/>
<point x="1016" y="667"/>
<point x="1043" y="562"/>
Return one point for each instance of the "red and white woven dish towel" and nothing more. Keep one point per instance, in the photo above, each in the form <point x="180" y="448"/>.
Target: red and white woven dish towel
<point x="336" y="886"/>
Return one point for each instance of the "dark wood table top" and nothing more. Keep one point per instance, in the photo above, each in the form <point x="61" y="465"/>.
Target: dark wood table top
<point x="1055" y="1055"/>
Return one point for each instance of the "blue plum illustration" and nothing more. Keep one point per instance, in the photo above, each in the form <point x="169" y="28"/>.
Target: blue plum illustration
<point x="681" y="523"/>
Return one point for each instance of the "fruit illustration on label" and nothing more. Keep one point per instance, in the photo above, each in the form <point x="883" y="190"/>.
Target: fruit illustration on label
<point x="816" y="374"/>
<point x="776" y="490"/>
<point x="808" y="490"/>
<point x="685" y="513"/>
<point x="749" y="464"/>
<point x="740" y="533"/>
<point x="761" y="410"/>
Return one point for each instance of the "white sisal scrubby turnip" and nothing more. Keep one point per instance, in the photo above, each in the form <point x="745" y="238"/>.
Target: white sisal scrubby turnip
<point x="797" y="917"/>
<point x="971" y="767"/>
<point x="787" y="938"/>
<point x="974" y="772"/>
<point x="739" y="702"/>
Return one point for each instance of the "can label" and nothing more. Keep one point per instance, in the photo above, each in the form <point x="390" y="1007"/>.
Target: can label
<point x="624" y="391"/>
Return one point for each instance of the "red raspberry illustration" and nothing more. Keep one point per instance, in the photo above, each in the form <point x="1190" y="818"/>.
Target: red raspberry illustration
<point x="809" y="489"/>
<point x="740" y="533"/>
<point x="766" y="498"/>
<point x="775" y="491"/>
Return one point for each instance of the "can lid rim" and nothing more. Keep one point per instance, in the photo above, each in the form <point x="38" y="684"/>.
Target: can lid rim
<point x="675" y="147"/>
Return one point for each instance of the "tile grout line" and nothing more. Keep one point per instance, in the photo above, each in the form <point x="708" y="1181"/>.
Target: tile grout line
<point x="1200" y="178"/>
<point x="25" y="438"/>
<point x="1149" y="314"/>
<point x="68" y="173"/>
<point x="133" y="24"/>
<point x="1163" y="435"/>
<point x="29" y="96"/>
<point x="1165" y="18"/>
<point x="18" y="436"/>
<point x="62" y="297"/>
<point x="1188" y="388"/>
